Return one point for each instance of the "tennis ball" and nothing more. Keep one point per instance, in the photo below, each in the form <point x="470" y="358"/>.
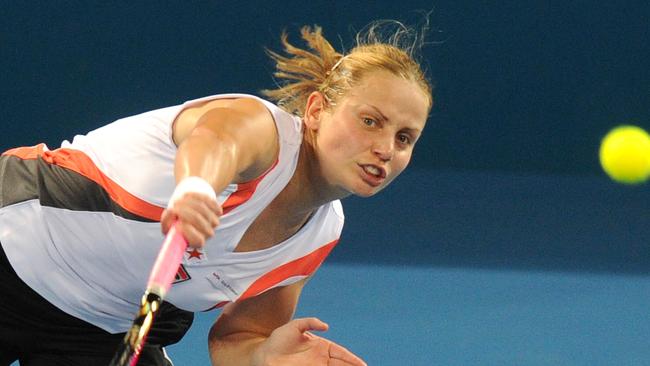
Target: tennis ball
<point x="625" y="154"/>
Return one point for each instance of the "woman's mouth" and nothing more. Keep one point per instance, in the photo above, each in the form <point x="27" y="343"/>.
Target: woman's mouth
<point x="373" y="175"/>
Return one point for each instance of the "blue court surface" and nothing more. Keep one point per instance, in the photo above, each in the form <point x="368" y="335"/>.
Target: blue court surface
<point x="476" y="268"/>
<point x="433" y="316"/>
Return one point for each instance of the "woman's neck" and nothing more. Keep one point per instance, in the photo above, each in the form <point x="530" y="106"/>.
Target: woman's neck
<point x="307" y="190"/>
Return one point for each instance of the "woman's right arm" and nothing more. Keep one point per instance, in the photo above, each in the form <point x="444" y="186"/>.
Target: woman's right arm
<point x="230" y="144"/>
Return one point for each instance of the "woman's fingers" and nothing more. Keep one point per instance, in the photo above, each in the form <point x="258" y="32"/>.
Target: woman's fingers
<point x="166" y="220"/>
<point x="198" y="216"/>
<point x="308" y="324"/>
<point x="342" y="354"/>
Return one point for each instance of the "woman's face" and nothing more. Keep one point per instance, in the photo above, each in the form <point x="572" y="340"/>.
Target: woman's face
<point x="367" y="139"/>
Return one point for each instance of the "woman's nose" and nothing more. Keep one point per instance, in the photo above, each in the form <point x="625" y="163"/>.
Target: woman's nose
<point x="384" y="149"/>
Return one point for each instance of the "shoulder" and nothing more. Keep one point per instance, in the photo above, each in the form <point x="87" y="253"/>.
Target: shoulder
<point x="328" y="222"/>
<point x="249" y="105"/>
<point x="337" y="208"/>
<point x="222" y="112"/>
<point x="240" y="110"/>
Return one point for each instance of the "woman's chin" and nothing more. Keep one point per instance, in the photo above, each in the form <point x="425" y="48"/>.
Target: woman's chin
<point x="367" y="191"/>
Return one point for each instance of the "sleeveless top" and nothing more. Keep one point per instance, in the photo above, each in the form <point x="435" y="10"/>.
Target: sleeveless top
<point x="80" y="224"/>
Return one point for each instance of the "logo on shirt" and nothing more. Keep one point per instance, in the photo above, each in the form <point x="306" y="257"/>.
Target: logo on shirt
<point x="181" y="275"/>
<point x="220" y="281"/>
<point x="194" y="253"/>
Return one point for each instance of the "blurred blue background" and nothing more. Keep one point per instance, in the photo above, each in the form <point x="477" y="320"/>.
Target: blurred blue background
<point x="504" y="244"/>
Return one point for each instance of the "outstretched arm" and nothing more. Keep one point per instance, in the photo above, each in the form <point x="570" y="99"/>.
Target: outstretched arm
<point x="258" y="332"/>
<point x="232" y="143"/>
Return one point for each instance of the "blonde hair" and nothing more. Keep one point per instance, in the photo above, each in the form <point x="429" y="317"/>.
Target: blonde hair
<point x="321" y="68"/>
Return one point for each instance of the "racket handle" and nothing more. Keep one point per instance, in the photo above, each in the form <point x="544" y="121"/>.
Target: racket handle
<point x="166" y="266"/>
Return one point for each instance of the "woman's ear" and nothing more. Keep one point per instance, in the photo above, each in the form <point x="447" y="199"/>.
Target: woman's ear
<point x="314" y="109"/>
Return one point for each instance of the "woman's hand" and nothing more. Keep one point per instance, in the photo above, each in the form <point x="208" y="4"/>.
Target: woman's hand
<point x="294" y="345"/>
<point x="197" y="215"/>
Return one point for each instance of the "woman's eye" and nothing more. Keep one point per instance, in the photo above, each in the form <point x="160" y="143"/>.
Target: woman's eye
<point x="404" y="139"/>
<point x="369" y="122"/>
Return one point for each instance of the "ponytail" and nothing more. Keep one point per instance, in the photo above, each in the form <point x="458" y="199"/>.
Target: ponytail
<point x="385" y="45"/>
<point x="304" y="71"/>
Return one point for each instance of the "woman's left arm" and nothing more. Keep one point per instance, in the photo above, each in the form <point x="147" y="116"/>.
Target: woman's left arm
<point x="259" y="332"/>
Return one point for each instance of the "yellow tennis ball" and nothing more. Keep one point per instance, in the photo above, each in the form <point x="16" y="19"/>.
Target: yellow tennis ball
<point x="625" y="154"/>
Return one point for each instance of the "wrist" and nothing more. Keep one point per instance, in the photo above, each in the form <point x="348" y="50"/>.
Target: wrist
<point x="261" y="355"/>
<point x="258" y="357"/>
<point x="192" y="184"/>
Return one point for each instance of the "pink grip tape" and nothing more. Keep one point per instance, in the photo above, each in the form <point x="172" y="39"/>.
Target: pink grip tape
<point x="166" y="266"/>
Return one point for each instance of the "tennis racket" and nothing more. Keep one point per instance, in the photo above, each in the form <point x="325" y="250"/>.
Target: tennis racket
<point x="160" y="280"/>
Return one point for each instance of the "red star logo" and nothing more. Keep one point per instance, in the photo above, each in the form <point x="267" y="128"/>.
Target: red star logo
<point x="194" y="253"/>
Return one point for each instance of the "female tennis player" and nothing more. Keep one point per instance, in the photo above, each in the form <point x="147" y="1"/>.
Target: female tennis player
<point x="254" y="186"/>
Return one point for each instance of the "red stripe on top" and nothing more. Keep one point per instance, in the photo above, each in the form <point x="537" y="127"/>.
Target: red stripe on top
<point x="303" y="266"/>
<point x="244" y="191"/>
<point x="80" y="163"/>
<point x="219" y="305"/>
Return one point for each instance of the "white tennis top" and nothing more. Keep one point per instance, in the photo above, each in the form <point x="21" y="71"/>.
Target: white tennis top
<point x="79" y="224"/>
